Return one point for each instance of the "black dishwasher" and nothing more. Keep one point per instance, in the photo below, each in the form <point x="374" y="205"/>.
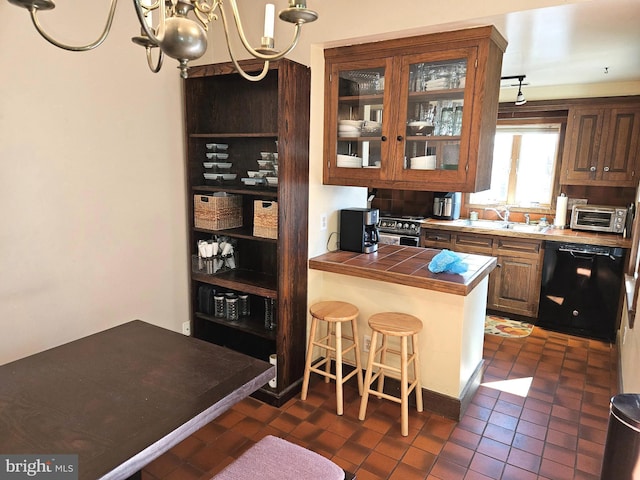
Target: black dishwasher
<point x="581" y="289"/>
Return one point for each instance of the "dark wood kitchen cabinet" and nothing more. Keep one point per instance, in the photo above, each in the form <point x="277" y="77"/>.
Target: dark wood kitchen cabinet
<point x="514" y="286"/>
<point x="415" y="113"/>
<point x="602" y="145"/>
<point x="269" y="116"/>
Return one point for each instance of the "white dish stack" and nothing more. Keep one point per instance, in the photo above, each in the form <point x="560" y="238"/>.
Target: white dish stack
<point x="348" y="161"/>
<point x="216" y="166"/>
<point x="349" y="128"/>
<point x="426" y="162"/>
<point x="267" y="173"/>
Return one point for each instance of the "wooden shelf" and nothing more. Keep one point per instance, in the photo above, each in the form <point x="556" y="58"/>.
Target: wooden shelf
<point x="234" y="135"/>
<point x="252" y="325"/>
<point x="452" y="93"/>
<point x="254" y="283"/>
<point x="359" y="99"/>
<point x="238" y="189"/>
<point x="243" y="232"/>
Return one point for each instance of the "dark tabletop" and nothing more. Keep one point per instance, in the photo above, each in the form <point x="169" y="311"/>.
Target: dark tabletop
<point x="120" y="398"/>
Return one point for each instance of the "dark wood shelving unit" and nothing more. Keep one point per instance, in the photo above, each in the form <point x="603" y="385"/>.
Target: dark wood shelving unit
<point x="222" y="107"/>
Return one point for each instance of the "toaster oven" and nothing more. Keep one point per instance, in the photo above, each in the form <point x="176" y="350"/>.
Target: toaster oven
<point x="598" y="218"/>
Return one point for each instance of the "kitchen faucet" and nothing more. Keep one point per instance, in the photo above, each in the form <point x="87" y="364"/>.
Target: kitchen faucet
<point x="504" y="216"/>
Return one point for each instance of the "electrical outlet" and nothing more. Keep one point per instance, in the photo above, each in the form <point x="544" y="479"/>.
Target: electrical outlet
<point x="367" y="343"/>
<point x="186" y="328"/>
<point x="323" y="221"/>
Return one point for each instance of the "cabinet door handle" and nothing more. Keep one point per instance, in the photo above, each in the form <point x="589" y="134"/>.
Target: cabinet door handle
<point x="606" y="169"/>
<point x="592" y="169"/>
<point x="399" y="138"/>
<point x="383" y="138"/>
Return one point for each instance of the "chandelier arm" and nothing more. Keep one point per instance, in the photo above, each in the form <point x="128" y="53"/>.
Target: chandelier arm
<point x="143" y="24"/>
<point x="154" y="68"/>
<point x="72" y="48"/>
<point x="243" y="74"/>
<point x="251" y="50"/>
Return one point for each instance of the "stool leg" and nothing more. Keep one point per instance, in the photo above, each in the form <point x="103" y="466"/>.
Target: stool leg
<point x="416" y="371"/>
<point x="327" y="366"/>
<point x="356" y="341"/>
<point x="383" y="361"/>
<point x="307" y="366"/>
<point x="339" y="396"/>
<point x="367" y="378"/>
<point x="404" y="388"/>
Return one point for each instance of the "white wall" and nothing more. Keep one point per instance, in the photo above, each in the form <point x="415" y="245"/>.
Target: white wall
<point x="629" y="345"/>
<point x="92" y="198"/>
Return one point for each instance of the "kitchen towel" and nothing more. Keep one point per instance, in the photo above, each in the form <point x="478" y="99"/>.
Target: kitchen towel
<point x="561" y="211"/>
<point x="447" y="261"/>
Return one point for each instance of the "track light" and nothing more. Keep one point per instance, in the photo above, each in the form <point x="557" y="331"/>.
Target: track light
<point x="520" y="100"/>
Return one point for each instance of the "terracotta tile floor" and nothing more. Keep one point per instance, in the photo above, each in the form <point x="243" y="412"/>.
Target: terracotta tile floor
<point x="556" y="432"/>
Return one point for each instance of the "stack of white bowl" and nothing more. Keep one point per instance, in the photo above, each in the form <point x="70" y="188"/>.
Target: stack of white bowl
<point x="349" y="128"/>
<point x="267" y="172"/>
<point x="348" y="161"/>
<point x="216" y="166"/>
<point x="426" y="162"/>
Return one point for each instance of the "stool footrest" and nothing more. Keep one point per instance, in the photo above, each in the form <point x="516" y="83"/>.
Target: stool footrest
<point x="314" y="368"/>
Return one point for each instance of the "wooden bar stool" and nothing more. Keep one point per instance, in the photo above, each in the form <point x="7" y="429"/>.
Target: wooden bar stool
<point x="334" y="314"/>
<point x="391" y="324"/>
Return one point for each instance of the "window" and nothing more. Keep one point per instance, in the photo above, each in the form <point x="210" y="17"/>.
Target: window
<point x="524" y="166"/>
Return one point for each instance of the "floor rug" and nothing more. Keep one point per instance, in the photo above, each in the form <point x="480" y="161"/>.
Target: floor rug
<point x="505" y="327"/>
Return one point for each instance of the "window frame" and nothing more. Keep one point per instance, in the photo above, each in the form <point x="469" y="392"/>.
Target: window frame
<point x="556" y="187"/>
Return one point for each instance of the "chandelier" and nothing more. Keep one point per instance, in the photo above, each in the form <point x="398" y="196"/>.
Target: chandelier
<point x="184" y="38"/>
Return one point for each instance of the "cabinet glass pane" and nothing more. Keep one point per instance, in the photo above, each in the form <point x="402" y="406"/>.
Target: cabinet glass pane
<point x="360" y="118"/>
<point x="435" y="115"/>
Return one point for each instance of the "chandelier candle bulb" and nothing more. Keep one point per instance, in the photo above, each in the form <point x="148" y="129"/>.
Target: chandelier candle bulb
<point x="269" y="19"/>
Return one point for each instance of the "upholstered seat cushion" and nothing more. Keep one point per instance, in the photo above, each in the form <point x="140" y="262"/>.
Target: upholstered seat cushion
<point x="273" y="458"/>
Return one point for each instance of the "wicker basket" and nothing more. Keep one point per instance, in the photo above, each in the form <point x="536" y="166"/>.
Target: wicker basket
<point x="265" y="219"/>
<point x="217" y="213"/>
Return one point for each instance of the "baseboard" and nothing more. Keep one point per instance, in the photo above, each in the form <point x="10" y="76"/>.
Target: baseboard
<point x="268" y="395"/>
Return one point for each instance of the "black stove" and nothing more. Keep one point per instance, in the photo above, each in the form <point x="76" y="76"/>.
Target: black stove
<point x="400" y="225"/>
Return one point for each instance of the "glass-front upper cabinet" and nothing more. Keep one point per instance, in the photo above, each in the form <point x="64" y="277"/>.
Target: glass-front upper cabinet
<point x="416" y="113"/>
<point x="433" y="112"/>
<point x="355" y="126"/>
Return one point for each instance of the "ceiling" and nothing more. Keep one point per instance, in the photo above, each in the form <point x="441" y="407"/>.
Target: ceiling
<point x="572" y="44"/>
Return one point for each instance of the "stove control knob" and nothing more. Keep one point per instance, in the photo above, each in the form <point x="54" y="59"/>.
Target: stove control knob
<point x="406" y="225"/>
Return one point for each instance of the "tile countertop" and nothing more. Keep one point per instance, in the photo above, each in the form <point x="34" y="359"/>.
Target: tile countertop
<point x="550" y="233"/>
<point x="406" y="266"/>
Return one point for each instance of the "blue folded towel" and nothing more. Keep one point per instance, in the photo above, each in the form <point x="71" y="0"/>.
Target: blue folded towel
<point x="447" y="261"/>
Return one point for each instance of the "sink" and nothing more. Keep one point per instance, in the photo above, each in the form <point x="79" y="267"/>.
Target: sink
<point x="524" y="227"/>
<point x="501" y="225"/>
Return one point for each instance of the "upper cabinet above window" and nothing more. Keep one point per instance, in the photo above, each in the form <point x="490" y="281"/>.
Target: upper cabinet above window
<point x="415" y="113"/>
<point x="602" y="145"/>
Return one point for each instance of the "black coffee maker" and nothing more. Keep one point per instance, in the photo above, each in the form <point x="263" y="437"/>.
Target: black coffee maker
<point x="358" y="229"/>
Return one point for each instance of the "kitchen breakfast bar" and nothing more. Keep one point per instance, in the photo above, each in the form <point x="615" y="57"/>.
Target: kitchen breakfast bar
<point x="450" y="306"/>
